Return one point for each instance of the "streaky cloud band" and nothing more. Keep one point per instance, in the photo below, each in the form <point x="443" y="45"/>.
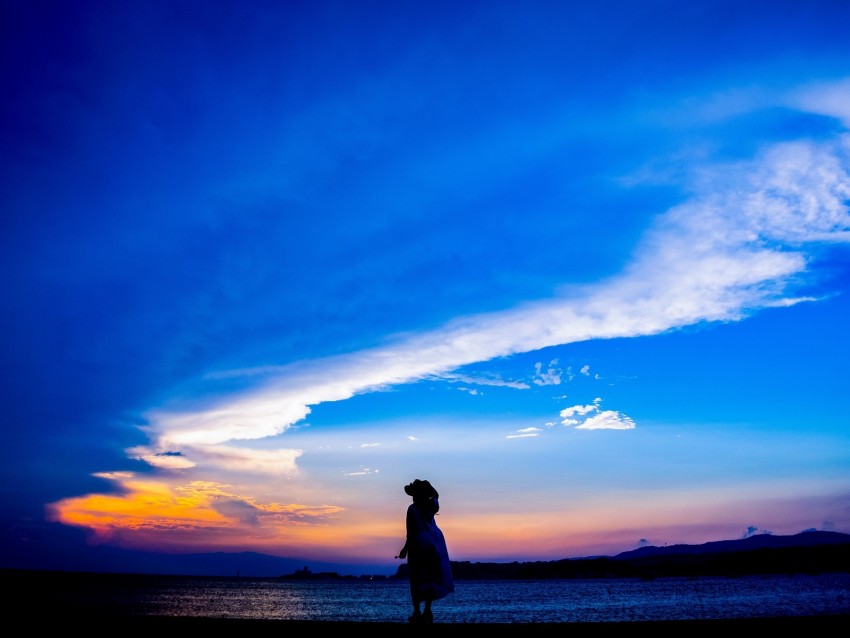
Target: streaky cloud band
<point x="737" y="246"/>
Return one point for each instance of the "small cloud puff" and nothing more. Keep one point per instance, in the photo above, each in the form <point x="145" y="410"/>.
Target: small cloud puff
<point x="591" y="417"/>
<point x="238" y="509"/>
<point x="608" y="420"/>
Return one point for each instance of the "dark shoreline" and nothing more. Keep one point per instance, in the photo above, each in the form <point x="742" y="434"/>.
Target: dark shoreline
<point x="168" y="625"/>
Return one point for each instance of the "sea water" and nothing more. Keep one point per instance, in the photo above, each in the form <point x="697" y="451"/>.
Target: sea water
<point x="593" y="600"/>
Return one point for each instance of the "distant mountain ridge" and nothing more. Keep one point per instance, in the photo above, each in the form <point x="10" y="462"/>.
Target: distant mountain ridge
<point x="756" y="541"/>
<point x="807" y="552"/>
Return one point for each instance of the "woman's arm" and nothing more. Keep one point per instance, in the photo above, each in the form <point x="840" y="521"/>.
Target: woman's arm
<point x="409" y="529"/>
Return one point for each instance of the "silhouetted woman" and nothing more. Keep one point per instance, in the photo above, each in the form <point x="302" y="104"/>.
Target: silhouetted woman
<point x="425" y="549"/>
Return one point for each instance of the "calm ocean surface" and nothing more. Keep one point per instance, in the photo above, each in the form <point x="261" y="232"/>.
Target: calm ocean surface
<point x="490" y="601"/>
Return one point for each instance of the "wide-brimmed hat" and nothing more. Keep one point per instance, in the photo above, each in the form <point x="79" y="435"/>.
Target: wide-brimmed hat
<point x="421" y="489"/>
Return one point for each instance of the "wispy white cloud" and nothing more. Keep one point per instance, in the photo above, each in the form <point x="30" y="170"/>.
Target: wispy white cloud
<point x="363" y="472"/>
<point x="524" y="433"/>
<point x="163" y="460"/>
<point x="487" y="381"/>
<point x="267" y="462"/>
<point x="737" y="246"/>
<point x="825" y="98"/>
<point x="550" y="376"/>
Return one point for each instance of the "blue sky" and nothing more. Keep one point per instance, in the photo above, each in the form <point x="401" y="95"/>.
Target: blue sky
<point x="583" y="266"/>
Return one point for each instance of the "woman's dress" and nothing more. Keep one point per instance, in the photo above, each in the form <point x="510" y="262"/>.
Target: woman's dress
<point x="427" y="556"/>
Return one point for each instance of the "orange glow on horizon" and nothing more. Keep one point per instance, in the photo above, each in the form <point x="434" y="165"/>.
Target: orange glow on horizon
<point x="157" y="514"/>
<point x="199" y="516"/>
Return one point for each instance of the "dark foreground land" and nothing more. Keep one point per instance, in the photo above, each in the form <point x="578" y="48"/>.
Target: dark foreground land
<point x="192" y="626"/>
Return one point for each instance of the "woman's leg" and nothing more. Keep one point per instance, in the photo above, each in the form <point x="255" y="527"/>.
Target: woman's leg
<point x="417" y="615"/>
<point x="427" y="616"/>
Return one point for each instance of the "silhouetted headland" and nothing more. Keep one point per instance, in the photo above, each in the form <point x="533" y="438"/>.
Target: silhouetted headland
<point x="805" y="553"/>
